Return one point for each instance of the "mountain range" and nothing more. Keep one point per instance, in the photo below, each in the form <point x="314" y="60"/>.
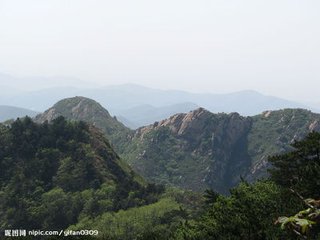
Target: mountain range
<point x="137" y="106"/>
<point x="199" y="149"/>
<point x="10" y="112"/>
<point x="75" y="167"/>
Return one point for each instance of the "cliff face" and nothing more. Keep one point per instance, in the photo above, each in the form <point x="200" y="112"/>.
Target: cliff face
<point x="199" y="149"/>
<point x="194" y="150"/>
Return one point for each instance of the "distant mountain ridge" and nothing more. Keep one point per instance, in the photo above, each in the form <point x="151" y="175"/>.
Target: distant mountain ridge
<point x="10" y="112"/>
<point x="199" y="149"/>
<point x="139" y="106"/>
<point x="146" y="114"/>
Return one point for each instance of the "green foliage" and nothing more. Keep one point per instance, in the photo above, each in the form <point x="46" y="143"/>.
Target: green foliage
<point x="248" y="213"/>
<point x="211" y="150"/>
<point x="306" y="223"/>
<point x="54" y="174"/>
<point x="190" y="159"/>
<point x="210" y="196"/>
<point x="252" y="209"/>
<point x="214" y="150"/>
<point x="154" y="221"/>
<point x="300" y="168"/>
<point x="273" y="131"/>
<point x="160" y="159"/>
<point x="66" y="175"/>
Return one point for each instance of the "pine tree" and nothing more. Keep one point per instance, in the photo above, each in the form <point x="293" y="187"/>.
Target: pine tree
<point x="299" y="169"/>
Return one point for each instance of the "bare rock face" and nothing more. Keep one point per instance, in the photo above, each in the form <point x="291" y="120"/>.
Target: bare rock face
<point x="194" y="124"/>
<point x="219" y="140"/>
<point x="221" y="148"/>
<point x="229" y="146"/>
<point x="49" y="115"/>
<point x="314" y="126"/>
<point x="266" y="113"/>
<point x="179" y="123"/>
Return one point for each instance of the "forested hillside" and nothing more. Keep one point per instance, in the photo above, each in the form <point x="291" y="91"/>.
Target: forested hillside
<point x="66" y="173"/>
<point x="159" y="120"/>
<point x="199" y="149"/>
<point x="285" y="206"/>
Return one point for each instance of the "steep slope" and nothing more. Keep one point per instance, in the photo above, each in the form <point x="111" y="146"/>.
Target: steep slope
<point x="201" y="149"/>
<point x="272" y="132"/>
<point x="193" y="150"/>
<point x="51" y="174"/>
<point x="88" y="110"/>
<point x="10" y="112"/>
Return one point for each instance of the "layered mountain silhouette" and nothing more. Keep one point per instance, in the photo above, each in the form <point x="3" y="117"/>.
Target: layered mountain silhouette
<point x="146" y="114"/>
<point x="199" y="149"/>
<point x="10" y="112"/>
<point x="138" y="106"/>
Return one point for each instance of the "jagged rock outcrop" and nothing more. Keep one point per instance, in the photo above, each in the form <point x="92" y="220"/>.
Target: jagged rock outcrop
<point x="205" y="142"/>
<point x="219" y="148"/>
<point x="199" y="149"/>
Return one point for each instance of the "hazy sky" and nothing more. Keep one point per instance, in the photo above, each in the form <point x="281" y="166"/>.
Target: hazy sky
<point x="272" y="46"/>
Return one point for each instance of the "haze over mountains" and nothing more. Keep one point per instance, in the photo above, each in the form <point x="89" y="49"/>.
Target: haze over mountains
<point x="136" y="105"/>
<point x="9" y="112"/>
<point x="160" y="120"/>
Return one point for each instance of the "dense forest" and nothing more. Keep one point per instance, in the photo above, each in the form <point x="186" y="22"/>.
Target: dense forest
<point x="66" y="175"/>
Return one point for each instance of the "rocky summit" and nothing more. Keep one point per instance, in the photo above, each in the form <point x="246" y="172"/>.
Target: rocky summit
<point x="199" y="149"/>
<point x="87" y="110"/>
<point x="194" y="150"/>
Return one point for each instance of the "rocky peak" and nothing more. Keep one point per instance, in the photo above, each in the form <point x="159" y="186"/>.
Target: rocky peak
<point x="199" y="122"/>
<point x="89" y="111"/>
<point x="76" y="108"/>
<point x="219" y="140"/>
<point x="177" y="123"/>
